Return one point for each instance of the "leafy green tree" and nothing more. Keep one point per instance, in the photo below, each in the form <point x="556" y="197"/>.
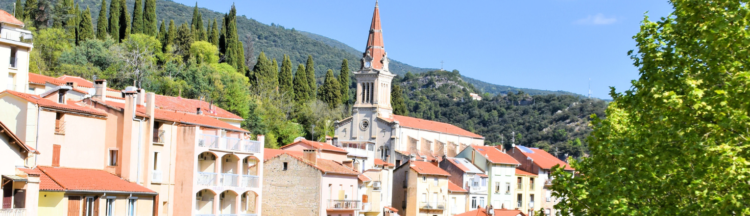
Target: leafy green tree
<point x="30" y="8"/>
<point x="149" y="17"/>
<point x="285" y="77"/>
<point x="310" y="70"/>
<point x="63" y="14"/>
<point x="18" y="11"/>
<point x="139" y="54"/>
<point x="397" y="100"/>
<point x="124" y="21"/>
<point x="51" y="43"/>
<point x="214" y="36"/>
<point x="675" y="143"/>
<point x="344" y="81"/>
<point x="204" y="52"/>
<point x="114" y="19"/>
<point x="101" y="22"/>
<point x="301" y="86"/>
<point x="330" y="92"/>
<point x="137" y="26"/>
<point x="86" y="29"/>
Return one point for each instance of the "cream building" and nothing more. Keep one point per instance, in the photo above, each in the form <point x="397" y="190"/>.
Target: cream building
<point x="15" y="45"/>
<point x="500" y="169"/>
<point x="421" y="189"/>
<point x="20" y="191"/>
<point x="528" y="192"/>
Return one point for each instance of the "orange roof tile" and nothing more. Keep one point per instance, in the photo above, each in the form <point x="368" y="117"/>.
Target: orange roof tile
<point x="379" y="162"/>
<point x="42" y="79"/>
<point x="271" y="153"/>
<point x="6" y="17"/>
<point x="191" y="106"/>
<point x="544" y="159"/>
<point x="364" y="178"/>
<point x="14" y="137"/>
<point x="375" y="40"/>
<point x="324" y="165"/>
<point x="411" y="122"/>
<point x="317" y="145"/>
<point x="79" y="81"/>
<point x="194" y="119"/>
<point x="495" y="155"/>
<point x="455" y="188"/>
<point x="45" y="182"/>
<point x="522" y="172"/>
<point x="69" y="106"/>
<point x="498" y="212"/>
<point x="71" y="179"/>
<point x="427" y="168"/>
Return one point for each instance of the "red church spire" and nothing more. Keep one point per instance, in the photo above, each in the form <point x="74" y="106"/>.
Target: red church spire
<point x="375" y="40"/>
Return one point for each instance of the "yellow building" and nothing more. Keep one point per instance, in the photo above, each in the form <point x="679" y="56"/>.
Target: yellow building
<point x="420" y="188"/>
<point x="527" y="194"/>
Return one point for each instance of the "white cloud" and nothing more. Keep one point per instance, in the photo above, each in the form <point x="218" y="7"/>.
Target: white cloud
<point x="598" y="19"/>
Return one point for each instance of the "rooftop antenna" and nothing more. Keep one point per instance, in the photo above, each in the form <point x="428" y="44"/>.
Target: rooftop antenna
<point x="589" y="87"/>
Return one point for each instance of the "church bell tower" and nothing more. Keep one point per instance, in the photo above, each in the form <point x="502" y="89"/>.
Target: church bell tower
<point x="374" y="78"/>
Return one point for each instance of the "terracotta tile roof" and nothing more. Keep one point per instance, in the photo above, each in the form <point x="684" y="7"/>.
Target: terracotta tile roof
<point x="45" y="182"/>
<point x="194" y="119"/>
<point x="79" y="81"/>
<point x="6" y="17"/>
<point x="271" y="153"/>
<point x="495" y="155"/>
<point x="364" y="178"/>
<point x="542" y="158"/>
<point x="14" y="137"/>
<point x="419" y="156"/>
<point x="317" y="145"/>
<point x="71" y="179"/>
<point x="191" y="106"/>
<point x="324" y="165"/>
<point x="69" y="106"/>
<point x="427" y="168"/>
<point x="375" y="41"/>
<point x="379" y="162"/>
<point x="140" y="110"/>
<point x="522" y="172"/>
<point x="483" y="175"/>
<point x="498" y="212"/>
<point x="42" y="79"/>
<point x="455" y="188"/>
<point x="440" y="127"/>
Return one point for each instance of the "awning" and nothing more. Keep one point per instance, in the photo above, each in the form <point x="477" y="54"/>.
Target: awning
<point x="15" y="178"/>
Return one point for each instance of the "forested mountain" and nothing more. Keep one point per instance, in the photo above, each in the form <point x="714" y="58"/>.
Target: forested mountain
<point x="276" y="41"/>
<point x="556" y="123"/>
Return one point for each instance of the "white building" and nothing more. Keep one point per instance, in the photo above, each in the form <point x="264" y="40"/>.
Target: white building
<point x="15" y="45"/>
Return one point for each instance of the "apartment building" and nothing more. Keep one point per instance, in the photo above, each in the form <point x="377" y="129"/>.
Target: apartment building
<point x="15" y="45"/>
<point x="376" y="199"/>
<point x="17" y="187"/>
<point x="457" y="197"/>
<point x="540" y="163"/>
<point x="300" y="183"/>
<point x="493" y="212"/>
<point x="500" y="170"/>
<point x="527" y="193"/>
<point x="420" y="188"/>
<point x="470" y="178"/>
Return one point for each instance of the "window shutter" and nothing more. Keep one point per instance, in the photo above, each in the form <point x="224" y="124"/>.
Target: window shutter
<point x="364" y="199"/>
<point x="74" y="205"/>
<point x="96" y="206"/>
<point x="56" y="155"/>
<point x="85" y="206"/>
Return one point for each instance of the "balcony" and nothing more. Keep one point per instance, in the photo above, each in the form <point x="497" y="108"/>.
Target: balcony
<point x="159" y="136"/>
<point x="376" y="185"/>
<point x="548" y="183"/>
<point x="355" y="149"/>
<point x="250" y="181"/>
<point x="230" y="180"/>
<point x="13" y="212"/>
<point x="433" y="205"/>
<point x="208" y="141"/>
<point x="343" y="204"/>
<point x="207" y="179"/>
<point x="156" y="176"/>
<point x="251" y="146"/>
<point x="229" y="143"/>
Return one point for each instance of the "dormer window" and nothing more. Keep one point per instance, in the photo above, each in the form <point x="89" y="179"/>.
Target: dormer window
<point x="60" y="97"/>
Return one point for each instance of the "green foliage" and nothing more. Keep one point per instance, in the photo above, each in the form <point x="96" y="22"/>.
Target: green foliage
<point x="124" y="21"/>
<point x="30" y="8"/>
<point x="214" y="36"/>
<point x="676" y="142"/>
<point x="301" y="86"/>
<point x="171" y="33"/>
<point x="310" y="70"/>
<point x="234" y="54"/>
<point x="182" y="41"/>
<point x="286" y="86"/>
<point x="397" y="101"/>
<point x="137" y="26"/>
<point x="199" y="33"/>
<point x="162" y="35"/>
<point x="49" y="44"/>
<point x="345" y="81"/>
<point x="330" y="92"/>
<point x="18" y="10"/>
<point x="149" y="18"/>
<point x="101" y="24"/>
<point x="85" y="28"/>
<point x="204" y="52"/>
<point x="114" y="19"/>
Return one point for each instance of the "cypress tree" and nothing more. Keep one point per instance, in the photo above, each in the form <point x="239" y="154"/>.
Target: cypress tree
<point x="397" y="101"/>
<point x="63" y="15"/>
<point x="234" y="54"/>
<point x="330" y="92"/>
<point x="18" y="11"/>
<point x="285" y="77"/>
<point x="344" y="81"/>
<point x="171" y="33"/>
<point x="301" y="86"/>
<point x="197" y="24"/>
<point x="162" y="34"/>
<point x="149" y="18"/>
<point x="273" y="75"/>
<point x="183" y="40"/>
<point x="310" y="69"/>
<point x="85" y="27"/>
<point x="137" y="26"/>
<point x="114" y="19"/>
<point x="101" y="22"/>
<point x="30" y="8"/>
<point x="214" y="36"/>
<point x="124" y="21"/>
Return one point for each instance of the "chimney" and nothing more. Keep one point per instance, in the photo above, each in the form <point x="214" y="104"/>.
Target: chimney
<point x="130" y="98"/>
<point x="150" y="103"/>
<point x="100" y="89"/>
<point x="349" y="164"/>
<point x="200" y="112"/>
<point x="141" y="98"/>
<point x="310" y="155"/>
<point x="356" y="166"/>
<point x="262" y="139"/>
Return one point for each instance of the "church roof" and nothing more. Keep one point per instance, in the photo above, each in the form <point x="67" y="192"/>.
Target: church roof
<point x="440" y="127"/>
<point x="375" y="40"/>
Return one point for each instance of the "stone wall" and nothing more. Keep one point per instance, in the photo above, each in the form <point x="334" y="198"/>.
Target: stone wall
<point x="295" y="191"/>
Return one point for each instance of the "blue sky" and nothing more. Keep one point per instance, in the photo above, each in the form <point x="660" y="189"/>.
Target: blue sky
<point x="553" y="45"/>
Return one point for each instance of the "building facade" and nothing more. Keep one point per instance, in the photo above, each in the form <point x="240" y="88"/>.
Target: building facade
<point x="421" y="188"/>
<point x="500" y="169"/>
<point x="540" y="163"/>
<point x="15" y="46"/>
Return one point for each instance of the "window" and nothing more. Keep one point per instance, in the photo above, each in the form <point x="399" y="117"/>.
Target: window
<point x="60" y="97"/>
<point x="520" y="183"/>
<point x="549" y="195"/>
<point x="484" y="182"/>
<point x="89" y="206"/>
<point x="156" y="160"/>
<point x="531" y="201"/>
<point x="481" y="201"/>
<point x="158" y="134"/>
<point x="473" y="202"/>
<point x="424" y="178"/>
<point x="424" y="197"/>
<point x="59" y="123"/>
<point x="285" y="166"/>
<point x="520" y="200"/>
<point x="434" y="198"/>
<point x="31" y="90"/>
<point x="112" y="157"/>
<point x="110" y="208"/>
<point x="131" y="206"/>
<point x="507" y="187"/>
<point x="531" y="183"/>
<point x="398" y="163"/>
<point x="436" y="181"/>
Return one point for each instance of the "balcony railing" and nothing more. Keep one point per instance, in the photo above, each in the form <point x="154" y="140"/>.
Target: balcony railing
<point x="343" y="204"/>
<point x="520" y="205"/>
<point x="156" y="176"/>
<point x="206" y="178"/>
<point x="231" y="143"/>
<point x="548" y="182"/>
<point x="251" y="146"/>
<point x="159" y="136"/>
<point x="208" y="141"/>
<point x="531" y="205"/>
<point x="13" y="212"/>
<point x="520" y="186"/>
<point x="230" y="180"/>
<point x="433" y="205"/>
<point x="250" y="181"/>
